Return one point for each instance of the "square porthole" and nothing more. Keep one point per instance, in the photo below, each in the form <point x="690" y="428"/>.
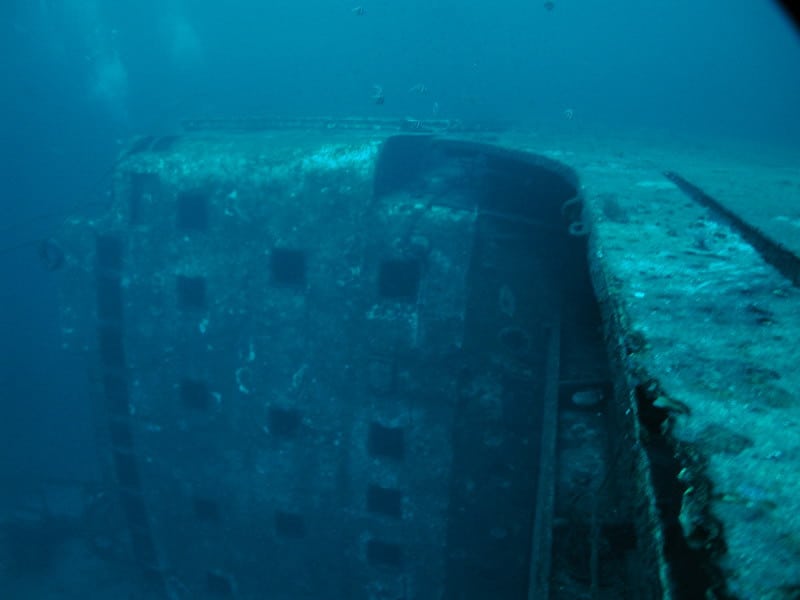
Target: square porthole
<point x="193" y="210"/>
<point x="219" y="585"/>
<point x="385" y="501"/>
<point x="283" y="422"/>
<point x="195" y="395"/>
<point x="206" y="510"/>
<point x="289" y="525"/>
<point x="386" y="554"/>
<point x="386" y="442"/>
<point x="398" y="279"/>
<point x="288" y="267"/>
<point x="191" y="292"/>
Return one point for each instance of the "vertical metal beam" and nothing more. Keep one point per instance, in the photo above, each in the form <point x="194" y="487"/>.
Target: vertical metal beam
<point x="542" y="531"/>
<point x="111" y="347"/>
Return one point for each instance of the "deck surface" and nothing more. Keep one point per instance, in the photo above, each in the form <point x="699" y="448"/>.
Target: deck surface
<point x="713" y="331"/>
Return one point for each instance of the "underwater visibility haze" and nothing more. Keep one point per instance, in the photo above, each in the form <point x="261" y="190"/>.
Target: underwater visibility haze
<point x="350" y="299"/>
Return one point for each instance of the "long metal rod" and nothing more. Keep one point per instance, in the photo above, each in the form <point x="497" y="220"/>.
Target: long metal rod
<point x="542" y="531"/>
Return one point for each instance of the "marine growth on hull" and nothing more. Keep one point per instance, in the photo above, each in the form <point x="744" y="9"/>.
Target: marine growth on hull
<point x="368" y="365"/>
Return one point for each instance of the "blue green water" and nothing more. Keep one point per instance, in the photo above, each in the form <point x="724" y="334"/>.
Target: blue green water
<point x="80" y="77"/>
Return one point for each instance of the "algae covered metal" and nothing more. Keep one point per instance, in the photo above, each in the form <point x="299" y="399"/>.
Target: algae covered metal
<point x="354" y="361"/>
